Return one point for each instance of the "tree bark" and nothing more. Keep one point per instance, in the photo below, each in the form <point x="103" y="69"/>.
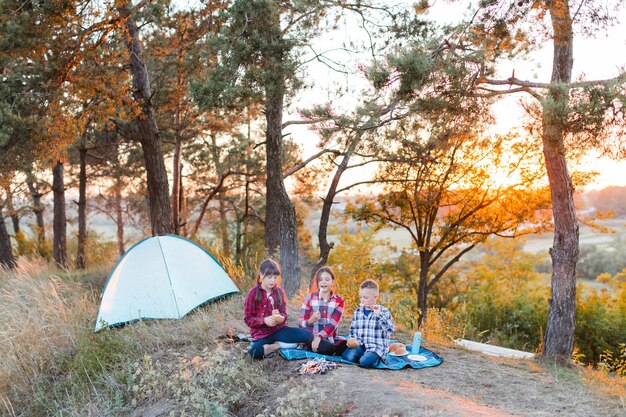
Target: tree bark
<point x="322" y="232"/>
<point x="38" y="211"/>
<point x="59" y="223"/>
<point x="176" y="188"/>
<point x="281" y="235"/>
<point x="158" y="187"/>
<point x="82" y="208"/>
<point x="559" y="338"/>
<point x="183" y="214"/>
<point x="12" y="212"/>
<point x="242" y="222"/>
<point x="224" y="228"/>
<point x="422" y="292"/>
<point x="119" y="215"/>
<point x="6" y="252"/>
<point x="177" y="167"/>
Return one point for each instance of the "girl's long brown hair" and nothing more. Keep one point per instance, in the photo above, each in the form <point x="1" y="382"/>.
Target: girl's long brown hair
<point x="269" y="267"/>
<point x="315" y="287"/>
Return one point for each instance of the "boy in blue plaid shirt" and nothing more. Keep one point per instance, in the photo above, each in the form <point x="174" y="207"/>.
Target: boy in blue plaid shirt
<point x="370" y="330"/>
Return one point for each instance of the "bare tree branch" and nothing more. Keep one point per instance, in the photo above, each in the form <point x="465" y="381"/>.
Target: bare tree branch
<point x="531" y="84"/>
<point x="304" y="163"/>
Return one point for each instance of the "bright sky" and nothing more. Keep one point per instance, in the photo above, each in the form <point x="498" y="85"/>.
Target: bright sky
<point x="596" y="58"/>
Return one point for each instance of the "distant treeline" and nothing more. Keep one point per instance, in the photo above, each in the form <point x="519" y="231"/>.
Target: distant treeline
<point x="611" y="198"/>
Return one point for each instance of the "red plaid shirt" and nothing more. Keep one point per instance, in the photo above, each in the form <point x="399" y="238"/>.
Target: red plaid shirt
<point x="331" y="311"/>
<point x="254" y="312"/>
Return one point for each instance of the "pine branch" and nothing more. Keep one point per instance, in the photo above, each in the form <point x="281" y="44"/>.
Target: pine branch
<point x="531" y="84"/>
<point x="304" y="163"/>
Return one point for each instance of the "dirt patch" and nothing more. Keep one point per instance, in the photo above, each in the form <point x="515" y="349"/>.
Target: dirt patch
<point x="155" y="410"/>
<point x="466" y="384"/>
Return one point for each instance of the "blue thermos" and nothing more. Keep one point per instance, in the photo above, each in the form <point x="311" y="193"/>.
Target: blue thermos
<point x="417" y="340"/>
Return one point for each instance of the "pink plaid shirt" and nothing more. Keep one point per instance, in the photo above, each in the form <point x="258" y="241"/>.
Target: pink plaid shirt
<point x="331" y="311"/>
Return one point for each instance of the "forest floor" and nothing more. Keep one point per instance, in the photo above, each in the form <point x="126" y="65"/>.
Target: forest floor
<point x="467" y="383"/>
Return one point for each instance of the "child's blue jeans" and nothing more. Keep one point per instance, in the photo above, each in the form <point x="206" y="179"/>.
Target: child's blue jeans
<point x="360" y="356"/>
<point x="286" y="334"/>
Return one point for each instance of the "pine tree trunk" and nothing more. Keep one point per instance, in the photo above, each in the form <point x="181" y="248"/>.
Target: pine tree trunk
<point x="38" y="211"/>
<point x="15" y="220"/>
<point x="176" y="189"/>
<point x="82" y="209"/>
<point x="322" y="232"/>
<point x="119" y="216"/>
<point x="559" y="338"/>
<point x="242" y="230"/>
<point x="158" y="187"/>
<point x="281" y="234"/>
<point x="183" y="214"/>
<point x="238" y="237"/>
<point x="224" y="228"/>
<point x="6" y="252"/>
<point x="59" y="223"/>
<point x="422" y="293"/>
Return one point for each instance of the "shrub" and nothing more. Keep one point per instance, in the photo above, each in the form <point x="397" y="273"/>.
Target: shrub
<point x="307" y="400"/>
<point x="216" y="382"/>
<point x="601" y="320"/>
<point x="506" y="301"/>
<point x="441" y="327"/>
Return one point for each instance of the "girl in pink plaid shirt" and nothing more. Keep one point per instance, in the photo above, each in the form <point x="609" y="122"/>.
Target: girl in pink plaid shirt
<point x="321" y="313"/>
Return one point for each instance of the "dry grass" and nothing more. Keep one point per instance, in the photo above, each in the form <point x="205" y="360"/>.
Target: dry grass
<point x="41" y="316"/>
<point x="197" y="330"/>
<point x="50" y="359"/>
<point x="439" y="328"/>
<point x="610" y="386"/>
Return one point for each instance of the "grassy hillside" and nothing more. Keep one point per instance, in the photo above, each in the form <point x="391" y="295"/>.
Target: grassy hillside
<point x="51" y="363"/>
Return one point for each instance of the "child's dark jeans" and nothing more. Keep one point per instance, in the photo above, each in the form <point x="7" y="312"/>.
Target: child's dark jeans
<point x="286" y="335"/>
<point x="360" y="356"/>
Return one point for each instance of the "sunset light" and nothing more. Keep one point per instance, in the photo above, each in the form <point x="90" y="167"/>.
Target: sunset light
<point x="312" y="208"/>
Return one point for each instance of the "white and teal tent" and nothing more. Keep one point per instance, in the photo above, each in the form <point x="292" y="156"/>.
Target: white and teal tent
<point x="162" y="277"/>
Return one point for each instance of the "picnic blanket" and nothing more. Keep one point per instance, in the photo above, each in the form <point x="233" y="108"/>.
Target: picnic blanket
<point x="390" y="362"/>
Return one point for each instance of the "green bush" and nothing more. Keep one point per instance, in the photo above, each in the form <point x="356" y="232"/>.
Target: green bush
<point x="506" y="301"/>
<point x="506" y="304"/>
<point x="601" y="319"/>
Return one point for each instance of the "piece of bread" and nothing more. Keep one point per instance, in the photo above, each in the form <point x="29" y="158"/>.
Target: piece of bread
<point x="401" y="350"/>
<point x="394" y="347"/>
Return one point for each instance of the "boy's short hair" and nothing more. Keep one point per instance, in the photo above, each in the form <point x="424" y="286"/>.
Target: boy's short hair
<point x="369" y="283"/>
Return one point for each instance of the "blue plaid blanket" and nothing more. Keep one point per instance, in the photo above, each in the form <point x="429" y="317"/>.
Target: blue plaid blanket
<point x="390" y="362"/>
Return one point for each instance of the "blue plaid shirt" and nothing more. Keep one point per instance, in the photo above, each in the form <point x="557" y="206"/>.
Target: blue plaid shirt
<point x="372" y="331"/>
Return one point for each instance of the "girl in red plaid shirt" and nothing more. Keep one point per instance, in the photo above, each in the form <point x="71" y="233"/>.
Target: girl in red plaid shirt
<point x="321" y="313"/>
<point x="265" y="312"/>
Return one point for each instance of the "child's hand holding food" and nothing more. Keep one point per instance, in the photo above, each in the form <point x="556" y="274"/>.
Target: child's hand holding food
<point x="270" y="321"/>
<point x="314" y="317"/>
<point x="352" y="343"/>
<point x="277" y="316"/>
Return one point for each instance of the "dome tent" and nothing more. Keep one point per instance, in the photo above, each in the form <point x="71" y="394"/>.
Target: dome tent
<point x="161" y="277"/>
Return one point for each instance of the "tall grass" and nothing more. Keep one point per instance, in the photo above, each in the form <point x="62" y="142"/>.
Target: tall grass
<point x="41" y="316"/>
